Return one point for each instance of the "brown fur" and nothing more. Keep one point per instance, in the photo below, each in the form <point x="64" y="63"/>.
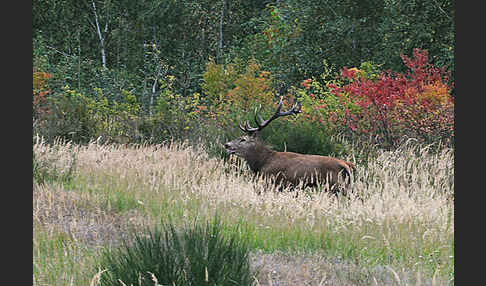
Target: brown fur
<point x="289" y="168"/>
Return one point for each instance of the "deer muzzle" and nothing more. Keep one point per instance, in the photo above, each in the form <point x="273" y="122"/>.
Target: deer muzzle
<point x="229" y="148"/>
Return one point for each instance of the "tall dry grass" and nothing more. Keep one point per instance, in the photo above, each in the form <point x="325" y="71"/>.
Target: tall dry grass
<point x="398" y="223"/>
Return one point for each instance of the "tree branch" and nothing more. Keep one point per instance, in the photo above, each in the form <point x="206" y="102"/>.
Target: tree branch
<point x="58" y="51"/>
<point x="442" y="10"/>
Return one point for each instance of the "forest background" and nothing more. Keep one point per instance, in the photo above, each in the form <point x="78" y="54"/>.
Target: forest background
<point x="371" y="72"/>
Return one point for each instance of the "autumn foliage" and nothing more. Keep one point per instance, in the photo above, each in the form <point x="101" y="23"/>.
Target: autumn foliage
<point x="364" y="104"/>
<point x="230" y="92"/>
<point x="388" y="107"/>
<point x="39" y="91"/>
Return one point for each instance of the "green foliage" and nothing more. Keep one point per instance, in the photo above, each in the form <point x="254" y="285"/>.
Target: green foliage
<point x="217" y="81"/>
<point x="77" y="117"/>
<point x="279" y="50"/>
<point x="66" y="117"/>
<point x="289" y="38"/>
<point x="295" y="36"/>
<point x="173" y="118"/>
<point x="303" y="136"/>
<point x="196" y="255"/>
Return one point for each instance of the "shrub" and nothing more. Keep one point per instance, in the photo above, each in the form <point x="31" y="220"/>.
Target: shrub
<point x="302" y="135"/>
<point x="229" y="94"/>
<point x="67" y="117"/>
<point x="217" y="81"/>
<point x="384" y="108"/>
<point x="417" y="104"/>
<point x="80" y="118"/>
<point x="196" y="255"/>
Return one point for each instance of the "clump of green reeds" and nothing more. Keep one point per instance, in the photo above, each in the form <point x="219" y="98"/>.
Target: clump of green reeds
<point x="200" y="254"/>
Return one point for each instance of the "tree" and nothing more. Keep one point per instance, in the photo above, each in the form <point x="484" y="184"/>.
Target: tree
<point x="100" y="34"/>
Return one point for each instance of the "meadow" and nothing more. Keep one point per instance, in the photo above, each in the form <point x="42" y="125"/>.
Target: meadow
<point x="395" y="228"/>
<point x="127" y="150"/>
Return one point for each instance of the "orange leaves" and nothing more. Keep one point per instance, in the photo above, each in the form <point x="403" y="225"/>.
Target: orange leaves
<point x="306" y="83"/>
<point x="40" y="90"/>
<point x="436" y="93"/>
<point x="40" y="80"/>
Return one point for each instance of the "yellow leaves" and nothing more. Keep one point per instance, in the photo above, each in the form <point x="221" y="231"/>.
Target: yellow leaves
<point x="436" y="93"/>
<point x="39" y="80"/>
<point x="227" y="89"/>
<point x="265" y="74"/>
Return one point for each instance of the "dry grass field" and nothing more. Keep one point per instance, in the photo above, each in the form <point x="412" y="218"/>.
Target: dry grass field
<point x="397" y="228"/>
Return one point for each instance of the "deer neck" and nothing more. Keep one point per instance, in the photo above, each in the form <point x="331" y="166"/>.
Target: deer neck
<point x="258" y="157"/>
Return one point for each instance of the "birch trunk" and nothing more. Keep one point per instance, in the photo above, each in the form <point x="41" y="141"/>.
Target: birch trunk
<point x="100" y="35"/>
<point x="220" y="43"/>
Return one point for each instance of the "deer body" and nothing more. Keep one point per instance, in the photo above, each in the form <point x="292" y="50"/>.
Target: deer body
<point x="289" y="168"/>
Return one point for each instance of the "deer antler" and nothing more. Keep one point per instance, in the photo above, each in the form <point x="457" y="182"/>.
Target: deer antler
<point x="262" y="123"/>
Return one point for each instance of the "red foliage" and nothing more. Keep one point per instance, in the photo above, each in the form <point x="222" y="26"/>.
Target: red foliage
<point x="417" y="104"/>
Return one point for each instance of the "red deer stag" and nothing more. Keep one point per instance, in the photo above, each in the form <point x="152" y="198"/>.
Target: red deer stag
<point x="288" y="168"/>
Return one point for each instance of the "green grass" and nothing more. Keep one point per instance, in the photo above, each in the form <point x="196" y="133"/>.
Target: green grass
<point x="363" y="247"/>
<point x="196" y="255"/>
<point x="60" y="260"/>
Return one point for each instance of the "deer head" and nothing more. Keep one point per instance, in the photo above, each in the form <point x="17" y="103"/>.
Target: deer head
<point x="245" y="145"/>
<point x="248" y="146"/>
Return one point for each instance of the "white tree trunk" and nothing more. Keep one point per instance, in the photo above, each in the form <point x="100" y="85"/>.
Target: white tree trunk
<point x="153" y="91"/>
<point x="100" y="36"/>
<point x="220" y="43"/>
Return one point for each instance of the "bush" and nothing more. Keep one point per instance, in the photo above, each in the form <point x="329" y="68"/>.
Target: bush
<point x="302" y="135"/>
<point x="173" y="118"/>
<point x="385" y="108"/>
<point x="67" y="116"/>
<point x="39" y="90"/>
<point x="229" y="94"/>
<point x="197" y="255"/>
<point x="74" y="116"/>
<point x="397" y="106"/>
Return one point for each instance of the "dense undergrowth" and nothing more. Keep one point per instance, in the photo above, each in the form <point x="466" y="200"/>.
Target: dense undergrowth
<point x="366" y="106"/>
